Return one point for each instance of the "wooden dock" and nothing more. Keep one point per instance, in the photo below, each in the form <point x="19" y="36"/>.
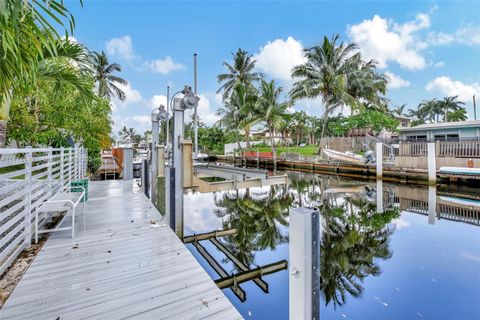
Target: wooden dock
<point x="123" y="264"/>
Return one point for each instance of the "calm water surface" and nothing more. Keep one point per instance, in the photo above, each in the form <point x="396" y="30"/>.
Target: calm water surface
<point x="412" y="253"/>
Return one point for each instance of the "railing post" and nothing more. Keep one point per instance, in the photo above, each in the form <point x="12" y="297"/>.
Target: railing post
<point x="77" y="169"/>
<point x="62" y="164"/>
<point x="84" y="163"/>
<point x="80" y="163"/>
<point x="49" y="170"/>
<point x="70" y="166"/>
<point x="28" y="196"/>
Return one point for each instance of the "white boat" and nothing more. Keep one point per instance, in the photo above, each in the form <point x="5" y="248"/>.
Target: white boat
<point x="460" y="170"/>
<point x="462" y="201"/>
<point x="344" y="156"/>
<point x="202" y="157"/>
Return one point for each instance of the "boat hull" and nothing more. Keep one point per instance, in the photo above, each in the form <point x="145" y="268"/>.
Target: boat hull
<point x="341" y="156"/>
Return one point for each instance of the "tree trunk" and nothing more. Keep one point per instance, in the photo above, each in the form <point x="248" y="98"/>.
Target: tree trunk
<point x="320" y="142"/>
<point x="3" y="133"/>
<point x="247" y="138"/>
<point x="274" y="150"/>
<point x="5" y="102"/>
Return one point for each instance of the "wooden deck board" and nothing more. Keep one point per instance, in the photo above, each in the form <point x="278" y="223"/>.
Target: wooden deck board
<point x="119" y="266"/>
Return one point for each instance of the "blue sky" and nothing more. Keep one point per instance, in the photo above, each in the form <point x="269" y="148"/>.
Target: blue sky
<point x="429" y="49"/>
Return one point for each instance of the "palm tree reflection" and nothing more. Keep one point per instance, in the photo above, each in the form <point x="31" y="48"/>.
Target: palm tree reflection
<point x="354" y="236"/>
<point x="258" y="219"/>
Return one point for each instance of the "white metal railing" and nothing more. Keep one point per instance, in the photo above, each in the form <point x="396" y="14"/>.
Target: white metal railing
<point x="29" y="177"/>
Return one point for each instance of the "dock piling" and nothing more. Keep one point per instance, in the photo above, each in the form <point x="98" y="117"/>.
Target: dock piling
<point x="379" y="160"/>
<point x="432" y="166"/>
<point x="304" y="265"/>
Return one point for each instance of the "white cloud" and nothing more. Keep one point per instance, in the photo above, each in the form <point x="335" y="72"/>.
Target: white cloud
<point x="121" y="47"/>
<point x="278" y="58"/>
<point x="140" y="123"/>
<point x="385" y="41"/>
<point x="448" y="87"/>
<point x="164" y="66"/>
<point x="132" y="95"/>
<point x="439" y="64"/>
<point x="396" y="81"/>
<point x="401" y="223"/>
<point x="158" y="100"/>
<point x="468" y="35"/>
<point x="143" y="121"/>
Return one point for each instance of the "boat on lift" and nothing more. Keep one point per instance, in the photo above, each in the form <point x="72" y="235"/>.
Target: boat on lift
<point x="345" y="156"/>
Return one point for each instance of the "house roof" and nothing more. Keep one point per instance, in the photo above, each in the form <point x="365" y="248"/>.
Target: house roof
<point x="447" y="125"/>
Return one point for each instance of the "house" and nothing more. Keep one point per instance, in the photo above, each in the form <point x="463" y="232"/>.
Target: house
<point x="449" y="131"/>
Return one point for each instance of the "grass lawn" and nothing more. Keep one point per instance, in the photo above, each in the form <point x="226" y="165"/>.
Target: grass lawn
<point x="306" y="151"/>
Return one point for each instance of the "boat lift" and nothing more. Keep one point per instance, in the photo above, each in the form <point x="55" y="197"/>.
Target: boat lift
<point x="233" y="281"/>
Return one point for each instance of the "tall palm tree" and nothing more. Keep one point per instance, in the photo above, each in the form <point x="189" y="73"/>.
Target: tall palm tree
<point x="22" y="43"/>
<point x="325" y="75"/>
<point x="106" y="81"/>
<point x="270" y="110"/>
<point x="240" y="72"/>
<point x="337" y="74"/>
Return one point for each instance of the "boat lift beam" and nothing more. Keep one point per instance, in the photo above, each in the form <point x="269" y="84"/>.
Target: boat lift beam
<point x="236" y="289"/>
<point x="245" y="276"/>
<point x="258" y="281"/>
<point x="209" y="235"/>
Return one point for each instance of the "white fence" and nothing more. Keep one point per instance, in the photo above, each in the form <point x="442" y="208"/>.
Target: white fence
<point x="29" y="177"/>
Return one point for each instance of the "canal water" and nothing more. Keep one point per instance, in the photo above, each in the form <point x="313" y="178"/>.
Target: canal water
<point x="386" y="251"/>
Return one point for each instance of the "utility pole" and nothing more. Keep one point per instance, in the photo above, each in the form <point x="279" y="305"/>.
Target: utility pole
<point x="474" y="108"/>
<point x="167" y="133"/>
<point x="195" y="115"/>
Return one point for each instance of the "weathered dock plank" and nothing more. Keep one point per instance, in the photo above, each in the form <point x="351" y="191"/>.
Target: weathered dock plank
<point x="119" y="266"/>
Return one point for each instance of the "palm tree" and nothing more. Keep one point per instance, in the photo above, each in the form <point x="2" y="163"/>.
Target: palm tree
<point x="457" y="115"/>
<point x="429" y="110"/>
<point x="339" y="76"/>
<point x="241" y="72"/>
<point x="399" y="110"/>
<point x="106" y="80"/>
<point x="298" y="125"/>
<point x="451" y="103"/>
<point x="245" y="98"/>
<point x="22" y="43"/>
<point x="270" y="110"/>
<point x="230" y="117"/>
